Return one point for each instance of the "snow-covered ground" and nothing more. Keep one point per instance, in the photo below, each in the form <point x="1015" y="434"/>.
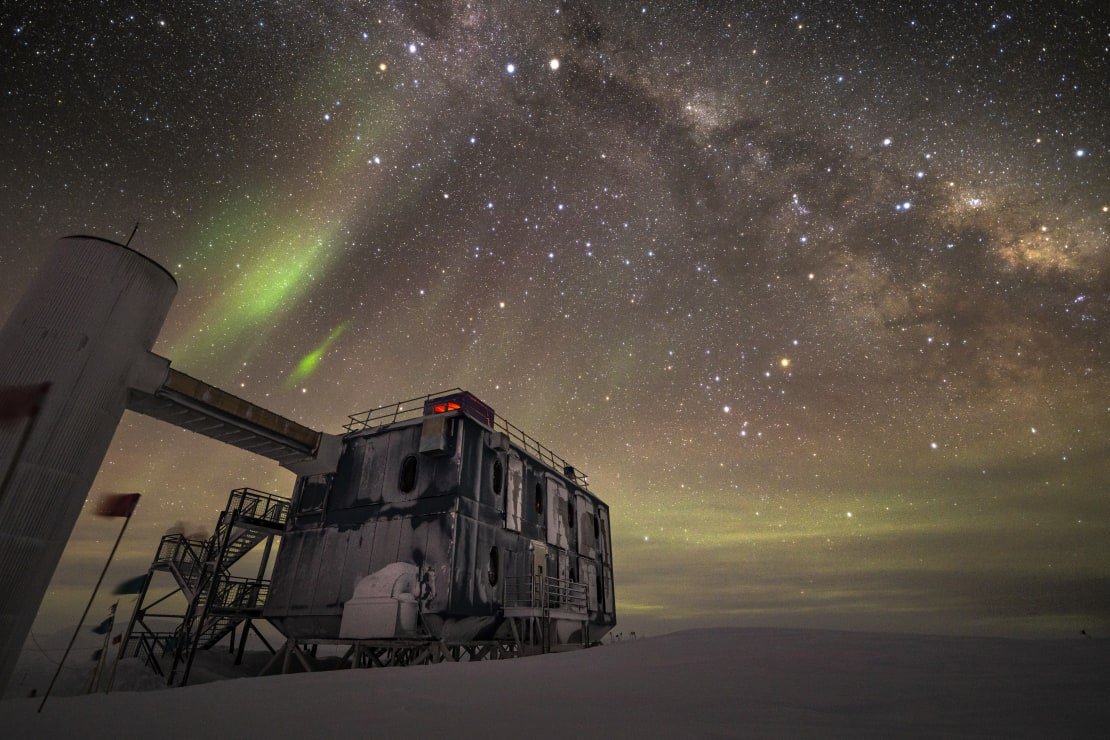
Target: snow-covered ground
<point x="697" y="684"/>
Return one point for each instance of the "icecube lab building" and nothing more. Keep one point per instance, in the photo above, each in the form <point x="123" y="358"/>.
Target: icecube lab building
<point x="445" y="521"/>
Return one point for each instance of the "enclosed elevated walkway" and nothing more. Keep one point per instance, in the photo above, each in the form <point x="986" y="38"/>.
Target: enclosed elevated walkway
<point x="192" y="404"/>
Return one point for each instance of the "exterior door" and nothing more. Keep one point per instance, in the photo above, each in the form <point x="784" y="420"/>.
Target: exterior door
<point x="539" y="572"/>
<point x="557" y="510"/>
<point x="514" y="493"/>
<point x="539" y="561"/>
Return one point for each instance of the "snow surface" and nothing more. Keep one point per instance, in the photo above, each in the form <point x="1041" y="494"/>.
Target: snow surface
<point x="704" y="684"/>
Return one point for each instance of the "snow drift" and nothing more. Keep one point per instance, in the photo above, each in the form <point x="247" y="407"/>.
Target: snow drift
<point x="704" y="683"/>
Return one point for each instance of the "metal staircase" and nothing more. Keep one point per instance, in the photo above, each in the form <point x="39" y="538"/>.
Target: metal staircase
<point x="217" y="602"/>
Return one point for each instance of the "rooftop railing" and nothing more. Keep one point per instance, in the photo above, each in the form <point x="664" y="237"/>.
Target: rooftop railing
<point x="413" y="408"/>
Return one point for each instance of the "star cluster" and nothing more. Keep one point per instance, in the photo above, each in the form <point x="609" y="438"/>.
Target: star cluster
<point x="816" y="292"/>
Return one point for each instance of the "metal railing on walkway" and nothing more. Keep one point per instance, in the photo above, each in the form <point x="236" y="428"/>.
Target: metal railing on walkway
<point x="546" y="593"/>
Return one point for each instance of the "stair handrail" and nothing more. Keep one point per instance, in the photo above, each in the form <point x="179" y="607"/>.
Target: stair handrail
<point x="259" y="505"/>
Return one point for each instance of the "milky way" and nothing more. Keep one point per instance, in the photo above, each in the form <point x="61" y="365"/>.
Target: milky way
<point x="815" y="292"/>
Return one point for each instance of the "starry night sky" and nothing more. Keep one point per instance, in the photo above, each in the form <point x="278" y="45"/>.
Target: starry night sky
<point x="815" y="292"/>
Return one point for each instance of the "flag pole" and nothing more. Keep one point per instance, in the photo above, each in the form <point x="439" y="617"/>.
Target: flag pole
<point x="94" y="679"/>
<point x="126" y="634"/>
<point x="126" y="521"/>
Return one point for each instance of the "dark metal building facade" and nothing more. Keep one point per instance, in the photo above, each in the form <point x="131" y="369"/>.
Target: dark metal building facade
<point x="443" y="521"/>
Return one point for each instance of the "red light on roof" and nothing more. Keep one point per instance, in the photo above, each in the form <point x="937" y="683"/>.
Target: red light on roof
<point x="443" y="408"/>
<point x="460" y="401"/>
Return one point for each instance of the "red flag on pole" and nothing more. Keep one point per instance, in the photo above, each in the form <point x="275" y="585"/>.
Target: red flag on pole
<point x="117" y="504"/>
<point x="20" y="401"/>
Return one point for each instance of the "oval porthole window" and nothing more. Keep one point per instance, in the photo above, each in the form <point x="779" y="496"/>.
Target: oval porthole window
<point x="539" y="498"/>
<point x="498" y="476"/>
<point x="407" y="480"/>
<point x="493" y="570"/>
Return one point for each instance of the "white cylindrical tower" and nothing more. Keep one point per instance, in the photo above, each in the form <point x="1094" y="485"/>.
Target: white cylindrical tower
<point x="86" y="325"/>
